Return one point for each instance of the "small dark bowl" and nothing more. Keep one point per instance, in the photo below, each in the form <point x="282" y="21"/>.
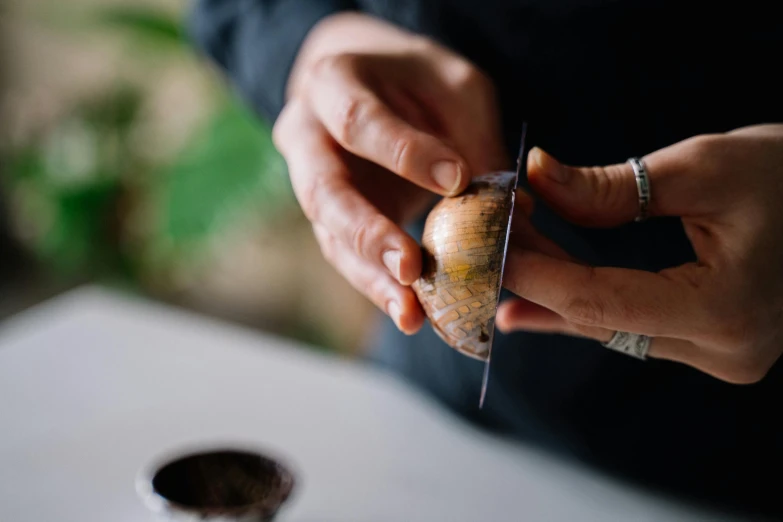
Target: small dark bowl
<point x="220" y="485"/>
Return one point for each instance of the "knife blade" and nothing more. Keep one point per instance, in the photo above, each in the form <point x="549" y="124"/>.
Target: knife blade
<point x="520" y="158"/>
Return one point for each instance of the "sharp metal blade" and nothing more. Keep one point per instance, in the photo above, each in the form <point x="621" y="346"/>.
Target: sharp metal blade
<point x="520" y="158"/>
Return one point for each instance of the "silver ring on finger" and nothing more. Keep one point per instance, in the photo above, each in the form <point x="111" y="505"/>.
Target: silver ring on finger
<point x="642" y="187"/>
<point x="635" y="345"/>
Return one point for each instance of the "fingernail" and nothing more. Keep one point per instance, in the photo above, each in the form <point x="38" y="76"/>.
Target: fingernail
<point x="393" y="309"/>
<point x="551" y="167"/>
<point x="391" y="258"/>
<point x="447" y="174"/>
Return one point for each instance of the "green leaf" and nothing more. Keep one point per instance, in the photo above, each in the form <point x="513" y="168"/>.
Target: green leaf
<point x="81" y="235"/>
<point x="144" y="24"/>
<point x="230" y="169"/>
<point x="73" y="230"/>
<point x="27" y="163"/>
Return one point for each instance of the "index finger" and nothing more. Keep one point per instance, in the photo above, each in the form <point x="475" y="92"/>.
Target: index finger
<point x="321" y="182"/>
<point x="364" y="125"/>
<point x="635" y="301"/>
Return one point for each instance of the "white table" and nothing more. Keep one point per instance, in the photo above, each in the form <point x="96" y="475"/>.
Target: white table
<point x="93" y="386"/>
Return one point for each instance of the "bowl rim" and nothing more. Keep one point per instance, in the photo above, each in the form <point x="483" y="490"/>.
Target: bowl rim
<point x="159" y="504"/>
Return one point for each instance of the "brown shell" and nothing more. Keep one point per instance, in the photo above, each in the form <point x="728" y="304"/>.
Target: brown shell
<point x="464" y="247"/>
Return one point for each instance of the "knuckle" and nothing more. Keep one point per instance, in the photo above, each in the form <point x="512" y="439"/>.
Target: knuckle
<point x="331" y="64"/>
<point x="586" y="312"/>
<point x="310" y="197"/>
<point x="591" y="304"/>
<point x="472" y="80"/>
<point x="604" y="188"/>
<point x="367" y="234"/>
<point x="616" y="182"/>
<point x="376" y="290"/>
<point x="402" y="151"/>
<point x="352" y="114"/>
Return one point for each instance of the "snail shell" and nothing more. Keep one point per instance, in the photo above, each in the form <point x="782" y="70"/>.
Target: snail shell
<point x="464" y="249"/>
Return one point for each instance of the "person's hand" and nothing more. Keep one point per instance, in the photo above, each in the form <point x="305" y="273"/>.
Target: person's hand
<point x="378" y="123"/>
<point x="722" y="314"/>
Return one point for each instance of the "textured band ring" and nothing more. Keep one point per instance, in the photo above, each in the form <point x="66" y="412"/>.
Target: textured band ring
<point x="631" y="344"/>
<point x="642" y="186"/>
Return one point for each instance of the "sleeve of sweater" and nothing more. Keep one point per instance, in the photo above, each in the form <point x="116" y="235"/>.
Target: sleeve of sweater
<point x="255" y="42"/>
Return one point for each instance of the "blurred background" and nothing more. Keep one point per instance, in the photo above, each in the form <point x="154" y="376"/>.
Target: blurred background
<point x="126" y="160"/>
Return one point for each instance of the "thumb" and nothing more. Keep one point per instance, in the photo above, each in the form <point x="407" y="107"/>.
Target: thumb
<point x="608" y="196"/>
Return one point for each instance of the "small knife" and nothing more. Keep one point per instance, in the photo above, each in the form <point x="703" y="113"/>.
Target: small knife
<point x="520" y="158"/>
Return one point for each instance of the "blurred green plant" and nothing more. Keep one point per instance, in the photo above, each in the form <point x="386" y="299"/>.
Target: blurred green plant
<point x="76" y="185"/>
<point x="231" y="164"/>
<point x="144" y="25"/>
<point x="66" y="183"/>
